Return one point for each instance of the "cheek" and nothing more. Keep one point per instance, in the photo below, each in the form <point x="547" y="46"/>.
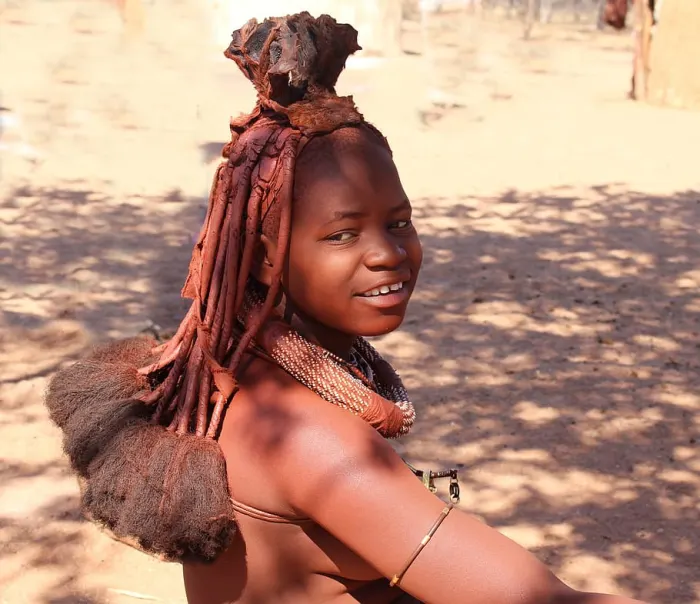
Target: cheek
<point x="313" y="275"/>
<point x="414" y="249"/>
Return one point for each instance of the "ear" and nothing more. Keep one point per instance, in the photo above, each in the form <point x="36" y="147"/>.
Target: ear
<point x="262" y="260"/>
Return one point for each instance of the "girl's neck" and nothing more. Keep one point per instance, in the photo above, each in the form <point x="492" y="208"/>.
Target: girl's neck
<point x="340" y="344"/>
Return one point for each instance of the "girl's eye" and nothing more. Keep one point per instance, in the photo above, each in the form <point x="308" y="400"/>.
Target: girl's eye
<point x="343" y="237"/>
<point x="401" y="224"/>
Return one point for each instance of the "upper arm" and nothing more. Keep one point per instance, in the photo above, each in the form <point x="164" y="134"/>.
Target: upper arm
<point x="340" y="472"/>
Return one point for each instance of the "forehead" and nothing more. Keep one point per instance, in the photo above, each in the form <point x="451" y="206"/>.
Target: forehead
<point x="348" y="169"/>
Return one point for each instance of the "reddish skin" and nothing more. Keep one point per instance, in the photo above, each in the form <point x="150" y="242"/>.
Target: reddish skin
<point x="293" y="454"/>
<point x="333" y="259"/>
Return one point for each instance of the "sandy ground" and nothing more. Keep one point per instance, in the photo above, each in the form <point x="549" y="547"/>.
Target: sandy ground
<point x="552" y="350"/>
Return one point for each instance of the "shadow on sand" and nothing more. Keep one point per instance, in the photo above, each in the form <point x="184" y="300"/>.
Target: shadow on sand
<point x="552" y="350"/>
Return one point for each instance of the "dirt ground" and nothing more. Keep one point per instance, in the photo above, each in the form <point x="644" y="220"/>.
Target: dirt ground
<point x="552" y="349"/>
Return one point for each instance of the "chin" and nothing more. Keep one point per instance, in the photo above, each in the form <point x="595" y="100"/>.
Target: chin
<point x="381" y="327"/>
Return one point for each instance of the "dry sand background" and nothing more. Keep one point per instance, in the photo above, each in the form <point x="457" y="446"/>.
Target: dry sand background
<point x="553" y="349"/>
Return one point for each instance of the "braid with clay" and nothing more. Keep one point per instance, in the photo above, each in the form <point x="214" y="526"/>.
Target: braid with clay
<point x="140" y="421"/>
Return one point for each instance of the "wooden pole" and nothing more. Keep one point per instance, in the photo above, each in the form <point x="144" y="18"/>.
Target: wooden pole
<point x="643" y="20"/>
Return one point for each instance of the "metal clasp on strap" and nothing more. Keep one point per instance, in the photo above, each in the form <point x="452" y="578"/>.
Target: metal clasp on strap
<point x="454" y="488"/>
<point x="428" y="479"/>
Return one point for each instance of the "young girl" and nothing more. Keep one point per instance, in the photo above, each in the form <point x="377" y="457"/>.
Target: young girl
<point x="251" y="446"/>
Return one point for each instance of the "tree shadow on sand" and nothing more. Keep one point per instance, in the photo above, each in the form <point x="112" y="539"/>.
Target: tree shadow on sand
<point x="47" y="538"/>
<point x="76" y="267"/>
<point x="553" y="350"/>
<point x="109" y="264"/>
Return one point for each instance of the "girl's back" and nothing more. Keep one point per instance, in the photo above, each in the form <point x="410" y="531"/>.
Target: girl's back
<point x="280" y="556"/>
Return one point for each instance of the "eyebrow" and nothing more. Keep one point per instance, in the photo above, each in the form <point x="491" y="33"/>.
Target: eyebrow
<point x="338" y="216"/>
<point x="348" y="214"/>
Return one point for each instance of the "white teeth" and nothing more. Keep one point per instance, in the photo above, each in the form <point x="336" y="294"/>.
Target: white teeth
<point x="384" y="289"/>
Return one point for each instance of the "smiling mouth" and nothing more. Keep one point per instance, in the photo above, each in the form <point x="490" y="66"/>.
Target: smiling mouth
<point x="383" y="290"/>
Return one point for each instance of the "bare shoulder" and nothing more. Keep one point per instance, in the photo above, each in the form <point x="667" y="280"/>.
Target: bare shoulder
<point x="279" y="426"/>
<point x="279" y="411"/>
<point x="333" y="467"/>
<point x="326" y="464"/>
<point x="284" y="430"/>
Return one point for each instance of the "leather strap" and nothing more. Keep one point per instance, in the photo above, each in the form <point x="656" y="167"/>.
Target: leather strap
<point x="252" y="512"/>
<point x="396" y="579"/>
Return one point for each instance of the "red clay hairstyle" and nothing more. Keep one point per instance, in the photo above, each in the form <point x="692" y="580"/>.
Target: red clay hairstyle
<point x="140" y="421"/>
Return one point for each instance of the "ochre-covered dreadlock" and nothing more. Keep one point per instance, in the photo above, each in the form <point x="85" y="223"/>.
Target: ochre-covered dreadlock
<point x="140" y="422"/>
<point x="294" y="64"/>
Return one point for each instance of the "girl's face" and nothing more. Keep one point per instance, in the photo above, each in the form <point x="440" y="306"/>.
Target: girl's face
<point x="354" y="254"/>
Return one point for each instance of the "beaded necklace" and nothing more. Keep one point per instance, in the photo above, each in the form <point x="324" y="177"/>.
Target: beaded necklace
<point x="366" y="386"/>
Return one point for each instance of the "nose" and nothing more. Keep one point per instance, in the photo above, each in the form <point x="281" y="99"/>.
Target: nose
<point x="385" y="253"/>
